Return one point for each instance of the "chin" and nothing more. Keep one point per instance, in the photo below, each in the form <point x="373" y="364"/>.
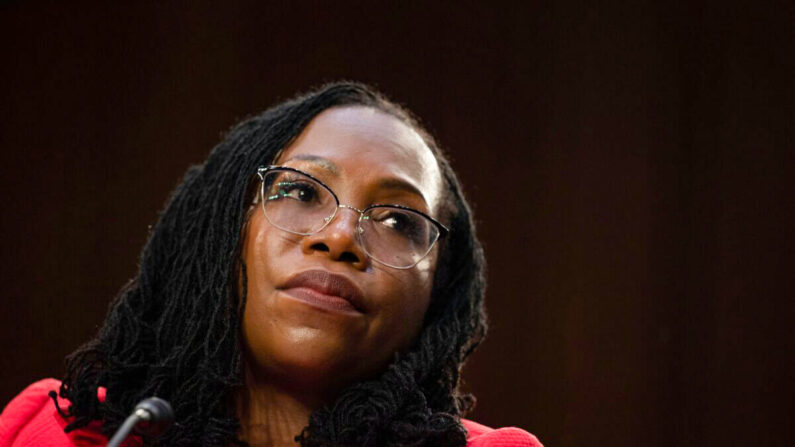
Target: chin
<point x="307" y="357"/>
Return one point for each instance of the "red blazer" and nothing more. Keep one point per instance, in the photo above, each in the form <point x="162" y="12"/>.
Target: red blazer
<point x="31" y="420"/>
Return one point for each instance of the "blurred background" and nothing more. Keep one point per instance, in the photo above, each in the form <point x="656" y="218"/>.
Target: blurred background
<point x="630" y="165"/>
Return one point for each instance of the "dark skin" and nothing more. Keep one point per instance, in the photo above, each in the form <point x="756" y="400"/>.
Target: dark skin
<point x="299" y="356"/>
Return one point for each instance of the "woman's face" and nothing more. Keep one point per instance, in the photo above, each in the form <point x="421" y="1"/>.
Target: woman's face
<point x="294" y="333"/>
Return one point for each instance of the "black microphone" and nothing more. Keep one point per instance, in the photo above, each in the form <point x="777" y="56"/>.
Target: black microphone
<point x="154" y="416"/>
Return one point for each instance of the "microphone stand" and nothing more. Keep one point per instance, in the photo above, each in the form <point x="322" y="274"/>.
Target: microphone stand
<point x="155" y="412"/>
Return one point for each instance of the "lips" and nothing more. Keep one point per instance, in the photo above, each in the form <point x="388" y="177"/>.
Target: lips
<point x="325" y="289"/>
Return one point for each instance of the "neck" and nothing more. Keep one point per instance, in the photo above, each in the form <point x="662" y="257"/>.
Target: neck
<point x="271" y="416"/>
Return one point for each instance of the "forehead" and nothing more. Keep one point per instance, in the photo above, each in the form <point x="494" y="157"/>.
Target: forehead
<point x="369" y="147"/>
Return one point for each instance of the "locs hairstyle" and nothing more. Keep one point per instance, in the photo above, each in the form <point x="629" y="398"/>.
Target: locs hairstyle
<point x="174" y="330"/>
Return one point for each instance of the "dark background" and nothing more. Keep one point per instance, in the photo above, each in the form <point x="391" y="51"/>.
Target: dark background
<point x="630" y="165"/>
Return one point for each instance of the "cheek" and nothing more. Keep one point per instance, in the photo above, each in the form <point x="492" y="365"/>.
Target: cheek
<point x="262" y="245"/>
<point x="403" y="315"/>
<point x="419" y="299"/>
<point x="425" y="270"/>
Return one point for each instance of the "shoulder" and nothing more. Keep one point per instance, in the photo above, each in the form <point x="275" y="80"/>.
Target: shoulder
<point x="32" y="419"/>
<point x="479" y="435"/>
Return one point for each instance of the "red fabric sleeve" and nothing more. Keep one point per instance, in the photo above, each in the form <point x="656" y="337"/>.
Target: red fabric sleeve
<point x="479" y="435"/>
<point x="31" y="419"/>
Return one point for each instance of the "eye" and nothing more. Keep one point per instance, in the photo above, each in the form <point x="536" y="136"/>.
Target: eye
<point x="403" y="223"/>
<point x="396" y="221"/>
<point x="301" y="191"/>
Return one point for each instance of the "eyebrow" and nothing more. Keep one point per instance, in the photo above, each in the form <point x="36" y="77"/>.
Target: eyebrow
<point x="391" y="183"/>
<point x="387" y="183"/>
<point x="321" y="162"/>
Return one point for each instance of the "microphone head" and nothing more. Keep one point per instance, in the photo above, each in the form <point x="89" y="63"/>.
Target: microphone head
<point x="161" y="416"/>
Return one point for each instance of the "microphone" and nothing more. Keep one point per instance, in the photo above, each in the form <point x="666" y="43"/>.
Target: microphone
<point x="154" y="416"/>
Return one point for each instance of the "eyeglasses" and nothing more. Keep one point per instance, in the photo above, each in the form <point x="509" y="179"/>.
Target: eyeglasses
<point x="393" y="235"/>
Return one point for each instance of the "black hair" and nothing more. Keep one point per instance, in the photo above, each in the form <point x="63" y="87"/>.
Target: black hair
<point x="174" y="330"/>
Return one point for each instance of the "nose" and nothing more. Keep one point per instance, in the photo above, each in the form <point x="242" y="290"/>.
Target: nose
<point x="338" y="240"/>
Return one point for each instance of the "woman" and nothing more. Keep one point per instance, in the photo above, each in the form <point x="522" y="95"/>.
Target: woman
<point x="317" y="280"/>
